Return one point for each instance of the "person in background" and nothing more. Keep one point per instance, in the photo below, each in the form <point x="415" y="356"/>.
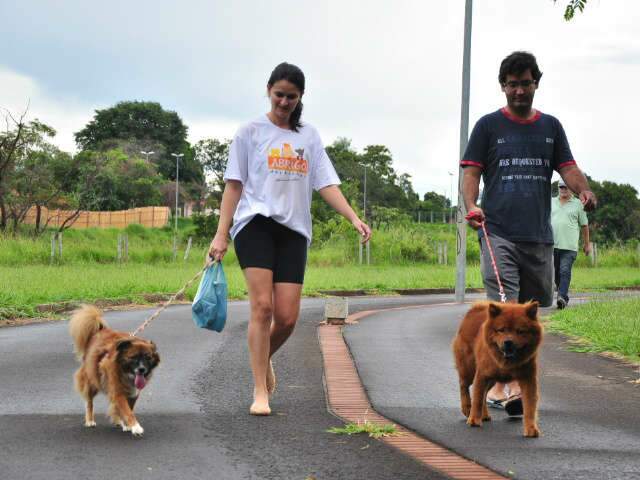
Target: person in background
<point x="568" y="219"/>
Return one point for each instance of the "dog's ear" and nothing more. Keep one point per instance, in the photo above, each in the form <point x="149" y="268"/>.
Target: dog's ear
<point x="155" y="358"/>
<point x="494" y="310"/>
<point x="122" y="345"/>
<point x="532" y="310"/>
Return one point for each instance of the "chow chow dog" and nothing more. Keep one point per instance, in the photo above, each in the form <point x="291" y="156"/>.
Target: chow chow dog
<point x="498" y="342"/>
<point x="112" y="362"/>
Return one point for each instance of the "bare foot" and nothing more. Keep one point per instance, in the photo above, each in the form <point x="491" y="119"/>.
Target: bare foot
<point x="260" y="405"/>
<point x="271" y="379"/>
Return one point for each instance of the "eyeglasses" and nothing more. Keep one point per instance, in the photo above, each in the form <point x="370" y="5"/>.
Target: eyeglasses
<point x="291" y="96"/>
<point x="513" y="84"/>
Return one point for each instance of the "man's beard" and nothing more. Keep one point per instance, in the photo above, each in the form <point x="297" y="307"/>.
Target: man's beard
<point x="523" y="107"/>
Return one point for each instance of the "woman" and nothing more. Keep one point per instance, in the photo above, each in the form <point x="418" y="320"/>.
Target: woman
<point x="275" y="163"/>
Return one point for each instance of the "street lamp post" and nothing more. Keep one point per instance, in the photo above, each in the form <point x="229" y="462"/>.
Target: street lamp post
<point x="146" y="154"/>
<point x="464" y="138"/>
<point x="451" y="205"/>
<point x="178" y="157"/>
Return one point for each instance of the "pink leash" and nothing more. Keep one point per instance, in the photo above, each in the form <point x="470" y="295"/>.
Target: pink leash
<point x="503" y="296"/>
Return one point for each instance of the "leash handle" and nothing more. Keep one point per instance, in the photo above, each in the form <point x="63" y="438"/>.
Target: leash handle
<point x="477" y="216"/>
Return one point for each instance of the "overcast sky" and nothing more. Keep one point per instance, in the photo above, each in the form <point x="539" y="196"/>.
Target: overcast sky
<point x="378" y="72"/>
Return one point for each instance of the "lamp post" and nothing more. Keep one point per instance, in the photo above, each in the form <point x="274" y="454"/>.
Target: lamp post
<point x="146" y="154"/>
<point x="451" y="206"/>
<point x="461" y="258"/>
<point x="178" y="157"/>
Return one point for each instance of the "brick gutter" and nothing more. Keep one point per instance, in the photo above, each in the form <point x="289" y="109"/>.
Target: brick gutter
<point x="348" y="400"/>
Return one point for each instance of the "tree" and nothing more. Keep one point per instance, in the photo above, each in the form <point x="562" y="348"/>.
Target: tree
<point x="617" y="217"/>
<point x="31" y="169"/>
<point x="144" y="122"/>
<point x="118" y="182"/>
<point x="572" y="7"/>
<point x="213" y="154"/>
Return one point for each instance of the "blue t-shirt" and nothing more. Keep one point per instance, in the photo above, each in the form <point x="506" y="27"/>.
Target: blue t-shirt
<point x="517" y="158"/>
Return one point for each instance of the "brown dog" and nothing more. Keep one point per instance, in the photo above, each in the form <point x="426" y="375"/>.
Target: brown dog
<point x="114" y="363"/>
<point x="498" y="342"/>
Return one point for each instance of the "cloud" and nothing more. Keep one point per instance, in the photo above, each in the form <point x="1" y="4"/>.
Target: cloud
<point x="385" y="74"/>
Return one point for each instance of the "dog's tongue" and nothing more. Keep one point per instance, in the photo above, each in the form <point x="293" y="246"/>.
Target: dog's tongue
<point x="140" y="381"/>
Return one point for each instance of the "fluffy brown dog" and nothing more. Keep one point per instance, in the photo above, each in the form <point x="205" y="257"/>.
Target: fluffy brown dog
<point x="114" y="363"/>
<point x="498" y="342"/>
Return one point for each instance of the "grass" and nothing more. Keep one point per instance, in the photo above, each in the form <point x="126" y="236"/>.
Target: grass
<point x="372" y="429"/>
<point x="603" y="326"/>
<point x="22" y="288"/>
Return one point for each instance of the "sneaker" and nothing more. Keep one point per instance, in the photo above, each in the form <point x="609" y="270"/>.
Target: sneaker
<point x="561" y="303"/>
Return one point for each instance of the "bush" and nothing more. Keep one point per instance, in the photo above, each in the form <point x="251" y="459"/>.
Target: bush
<point x="205" y="226"/>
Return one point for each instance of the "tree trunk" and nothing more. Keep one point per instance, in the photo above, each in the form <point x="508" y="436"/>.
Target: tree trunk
<point x="3" y="214"/>
<point x="38" y="216"/>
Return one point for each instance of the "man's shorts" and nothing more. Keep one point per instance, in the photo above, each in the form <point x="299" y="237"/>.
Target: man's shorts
<point x="265" y="243"/>
<point x="525" y="268"/>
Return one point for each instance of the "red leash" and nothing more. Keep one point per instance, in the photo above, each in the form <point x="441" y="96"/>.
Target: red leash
<point x="476" y="216"/>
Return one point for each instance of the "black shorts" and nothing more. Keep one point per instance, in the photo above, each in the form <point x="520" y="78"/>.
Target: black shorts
<point x="265" y="243"/>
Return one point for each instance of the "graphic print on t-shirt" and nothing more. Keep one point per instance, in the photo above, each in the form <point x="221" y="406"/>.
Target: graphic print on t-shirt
<point x="523" y="162"/>
<point x="288" y="161"/>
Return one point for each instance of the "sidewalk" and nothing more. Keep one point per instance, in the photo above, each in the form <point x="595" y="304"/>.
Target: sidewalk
<point x="588" y="408"/>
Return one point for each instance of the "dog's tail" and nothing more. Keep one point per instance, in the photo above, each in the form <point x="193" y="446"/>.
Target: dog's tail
<point x="84" y="324"/>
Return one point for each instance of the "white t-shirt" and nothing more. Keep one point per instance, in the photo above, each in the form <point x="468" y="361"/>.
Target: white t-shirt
<point x="279" y="169"/>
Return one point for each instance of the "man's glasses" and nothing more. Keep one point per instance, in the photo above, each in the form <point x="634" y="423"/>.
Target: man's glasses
<point x="513" y="84"/>
<point x="291" y="96"/>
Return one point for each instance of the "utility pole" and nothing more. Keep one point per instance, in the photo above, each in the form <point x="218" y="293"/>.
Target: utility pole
<point x="178" y="157"/>
<point x="461" y="258"/>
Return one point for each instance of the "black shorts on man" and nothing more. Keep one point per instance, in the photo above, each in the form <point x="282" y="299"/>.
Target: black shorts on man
<point x="265" y="243"/>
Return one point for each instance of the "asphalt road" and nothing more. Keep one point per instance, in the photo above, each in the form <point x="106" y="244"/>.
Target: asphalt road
<point x="588" y="410"/>
<point x="194" y="411"/>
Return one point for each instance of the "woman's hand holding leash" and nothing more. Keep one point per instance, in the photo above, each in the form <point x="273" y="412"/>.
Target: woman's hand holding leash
<point x="219" y="246"/>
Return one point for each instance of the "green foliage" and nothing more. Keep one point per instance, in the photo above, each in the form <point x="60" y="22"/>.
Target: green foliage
<point x="617" y="217"/>
<point x="206" y="226"/>
<point x="572" y="7"/>
<point x="603" y="326"/>
<point x="110" y="180"/>
<point x="372" y="429"/>
<point x="148" y="122"/>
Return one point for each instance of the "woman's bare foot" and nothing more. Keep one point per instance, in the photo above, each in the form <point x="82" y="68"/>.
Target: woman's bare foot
<point x="260" y="405"/>
<point x="271" y="379"/>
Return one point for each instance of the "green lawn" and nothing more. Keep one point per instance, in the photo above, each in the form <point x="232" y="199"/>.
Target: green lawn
<point x="22" y="288"/>
<point x="603" y="326"/>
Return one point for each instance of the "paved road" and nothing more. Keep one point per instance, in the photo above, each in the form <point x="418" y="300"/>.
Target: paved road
<point x="194" y="411"/>
<point x="588" y="410"/>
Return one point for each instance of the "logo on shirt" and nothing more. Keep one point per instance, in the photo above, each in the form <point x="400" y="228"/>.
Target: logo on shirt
<point x="288" y="160"/>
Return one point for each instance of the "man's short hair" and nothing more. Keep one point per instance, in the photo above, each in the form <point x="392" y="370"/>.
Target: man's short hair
<point x="516" y="64"/>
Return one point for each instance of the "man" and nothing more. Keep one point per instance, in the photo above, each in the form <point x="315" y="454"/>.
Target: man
<point x="515" y="151"/>
<point x="567" y="219"/>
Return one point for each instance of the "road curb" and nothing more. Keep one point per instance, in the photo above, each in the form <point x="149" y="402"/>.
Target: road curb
<point x="348" y="400"/>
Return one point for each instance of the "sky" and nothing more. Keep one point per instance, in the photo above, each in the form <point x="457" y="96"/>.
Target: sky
<point x="378" y="71"/>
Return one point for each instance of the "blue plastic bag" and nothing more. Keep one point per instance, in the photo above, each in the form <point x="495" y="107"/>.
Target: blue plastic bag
<point x="209" y="307"/>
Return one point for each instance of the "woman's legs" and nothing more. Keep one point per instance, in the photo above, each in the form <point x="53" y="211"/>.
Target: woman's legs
<point x="260" y="286"/>
<point x="286" y="308"/>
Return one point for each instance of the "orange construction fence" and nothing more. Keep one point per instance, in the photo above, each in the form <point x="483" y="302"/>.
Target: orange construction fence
<point x="146" y="216"/>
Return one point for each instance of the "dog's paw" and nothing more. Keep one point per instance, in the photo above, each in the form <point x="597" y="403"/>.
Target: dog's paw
<point x="532" y="431"/>
<point x="466" y="410"/>
<point x="89" y="424"/>
<point x="125" y="428"/>
<point x="474" y="422"/>
<point x="137" y="430"/>
<point x="486" y="418"/>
